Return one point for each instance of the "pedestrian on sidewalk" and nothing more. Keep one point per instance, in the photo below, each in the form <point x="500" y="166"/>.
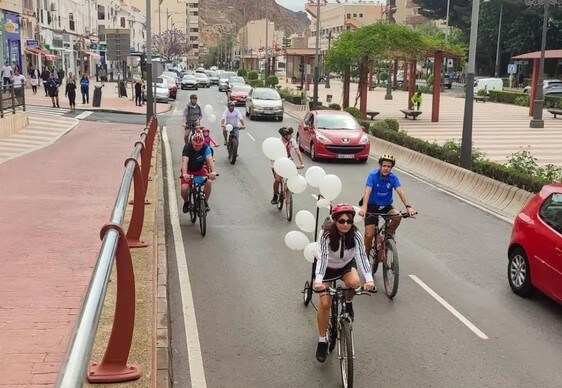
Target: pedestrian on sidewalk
<point x="35" y="74"/>
<point x="417" y="100"/>
<point x="19" y="84"/>
<point x="53" y="88"/>
<point x="70" y="92"/>
<point x="45" y="75"/>
<point x="7" y="73"/>
<point x="138" y="93"/>
<point x="85" y="89"/>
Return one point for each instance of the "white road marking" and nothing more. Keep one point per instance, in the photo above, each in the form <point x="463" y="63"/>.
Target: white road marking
<point x="451" y="309"/>
<point x="251" y="137"/>
<point x="491" y="212"/>
<point x="196" y="369"/>
<point x="84" y="114"/>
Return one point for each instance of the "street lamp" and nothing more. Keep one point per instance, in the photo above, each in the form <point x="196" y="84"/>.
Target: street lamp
<point x="316" y="57"/>
<point x="497" y="70"/>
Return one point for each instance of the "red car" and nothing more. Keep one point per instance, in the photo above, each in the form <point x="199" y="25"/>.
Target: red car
<point x="535" y="250"/>
<point x="331" y="134"/>
<point x="238" y="93"/>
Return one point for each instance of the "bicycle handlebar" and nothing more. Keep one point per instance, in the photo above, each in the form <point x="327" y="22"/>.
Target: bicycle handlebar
<point x="333" y="290"/>
<point x="386" y="215"/>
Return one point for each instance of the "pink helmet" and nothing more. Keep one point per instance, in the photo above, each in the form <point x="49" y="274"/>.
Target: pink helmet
<point x="341" y="209"/>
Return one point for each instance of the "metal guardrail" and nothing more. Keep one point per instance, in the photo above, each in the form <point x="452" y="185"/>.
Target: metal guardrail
<point x="12" y="99"/>
<point x="116" y="244"/>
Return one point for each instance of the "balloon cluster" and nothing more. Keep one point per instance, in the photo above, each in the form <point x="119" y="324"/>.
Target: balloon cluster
<point x="208" y="109"/>
<point x="298" y="241"/>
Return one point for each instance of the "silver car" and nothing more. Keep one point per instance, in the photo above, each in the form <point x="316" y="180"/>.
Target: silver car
<point x="213" y="77"/>
<point x="202" y="80"/>
<point x="264" y="102"/>
<point x="223" y="80"/>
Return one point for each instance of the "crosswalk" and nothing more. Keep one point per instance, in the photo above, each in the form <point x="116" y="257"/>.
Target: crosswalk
<point x="46" y="110"/>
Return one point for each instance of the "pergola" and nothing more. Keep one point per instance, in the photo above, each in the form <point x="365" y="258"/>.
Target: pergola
<point x="536" y="56"/>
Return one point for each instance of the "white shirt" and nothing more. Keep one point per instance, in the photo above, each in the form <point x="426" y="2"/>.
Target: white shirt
<point x="19" y="80"/>
<point x="7" y="71"/>
<point x="233" y="118"/>
<point x="289" y="146"/>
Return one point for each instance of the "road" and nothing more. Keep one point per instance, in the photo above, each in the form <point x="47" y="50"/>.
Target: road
<point x="254" y="331"/>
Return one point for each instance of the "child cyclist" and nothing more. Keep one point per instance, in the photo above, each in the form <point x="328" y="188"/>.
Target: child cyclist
<point x="291" y="145"/>
<point x="209" y="141"/>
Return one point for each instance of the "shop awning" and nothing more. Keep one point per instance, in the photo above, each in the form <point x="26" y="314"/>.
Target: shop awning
<point x="92" y="54"/>
<point x="38" y="51"/>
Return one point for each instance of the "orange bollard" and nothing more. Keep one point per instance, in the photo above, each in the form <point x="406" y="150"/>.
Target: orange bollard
<point x="113" y="367"/>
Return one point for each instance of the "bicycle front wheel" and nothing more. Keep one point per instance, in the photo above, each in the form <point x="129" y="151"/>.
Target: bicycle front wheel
<point x="193" y="211"/>
<point x="391" y="268"/>
<point x="233" y="150"/>
<point x="281" y="198"/>
<point x="202" y="217"/>
<point x="346" y="354"/>
<point x="289" y="205"/>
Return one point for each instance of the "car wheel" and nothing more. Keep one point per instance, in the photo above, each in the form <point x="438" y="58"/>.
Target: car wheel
<point x="518" y="272"/>
<point x="280" y="118"/>
<point x="313" y="152"/>
<point x="363" y="160"/>
<point x="251" y="115"/>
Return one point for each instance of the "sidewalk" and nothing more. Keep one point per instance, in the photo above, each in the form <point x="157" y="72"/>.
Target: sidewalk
<point x="110" y="102"/>
<point x="54" y="202"/>
<point x="498" y="129"/>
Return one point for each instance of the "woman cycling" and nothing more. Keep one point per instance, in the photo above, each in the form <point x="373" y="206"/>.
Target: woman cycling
<point x="341" y="249"/>
<point x="290" y="145"/>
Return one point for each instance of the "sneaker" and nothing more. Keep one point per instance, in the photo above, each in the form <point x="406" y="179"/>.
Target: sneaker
<point x="322" y="351"/>
<point x="186" y="207"/>
<point x="349" y="310"/>
<point x="274" y="200"/>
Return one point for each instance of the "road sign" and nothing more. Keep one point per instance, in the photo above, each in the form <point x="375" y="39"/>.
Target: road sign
<point x="512" y="68"/>
<point x="449" y="63"/>
<point x="118" y="44"/>
<point x="521" y="62"/>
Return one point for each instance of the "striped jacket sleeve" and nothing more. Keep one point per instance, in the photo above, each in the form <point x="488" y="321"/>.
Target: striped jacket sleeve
<point x="361" y="257"/>
<point x="322" y="262"/>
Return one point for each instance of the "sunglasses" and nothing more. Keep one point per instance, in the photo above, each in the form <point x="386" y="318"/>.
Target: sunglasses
<point x="342" y="221"/>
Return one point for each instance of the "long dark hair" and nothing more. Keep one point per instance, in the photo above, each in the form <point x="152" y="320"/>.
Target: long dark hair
<point x="332" y="232"/>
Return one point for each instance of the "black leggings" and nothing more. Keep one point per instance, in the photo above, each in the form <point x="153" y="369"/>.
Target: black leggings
<point x="72" y="98"/>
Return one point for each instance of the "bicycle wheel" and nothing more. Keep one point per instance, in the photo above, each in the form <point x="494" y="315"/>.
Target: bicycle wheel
<point x="346" y="354"/>
<point x="307" y="293"/>
<point x="289" y="205"/>
<point x="233" y="150"/>
<point x="202" y="217"/>
<point x="333" y="326"/>
<point x="373" y="257"/>
<point x="193" y="211"/>
<point x="391" y="268"/>
<point x="281" y="198"/>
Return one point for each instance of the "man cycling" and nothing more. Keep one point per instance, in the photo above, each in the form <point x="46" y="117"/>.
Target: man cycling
<point x="378" y="198"/>
<point x="290" y="145"/>
<point x="194" y="157"/>
<point x="192" y="116"/>
<point x="233" y="117"/>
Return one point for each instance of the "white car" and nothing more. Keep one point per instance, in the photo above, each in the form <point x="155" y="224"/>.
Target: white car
<point x="173" y="75"/>
<point x="162" y="90"/>
<point x="547" y="84"/>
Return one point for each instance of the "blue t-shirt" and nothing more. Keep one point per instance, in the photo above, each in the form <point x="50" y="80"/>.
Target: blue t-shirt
<point x="196" y="158"/>
<point x="381" y="194"/>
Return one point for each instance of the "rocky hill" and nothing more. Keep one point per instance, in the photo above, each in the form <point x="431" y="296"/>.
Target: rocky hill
<point x="216" y="19"/>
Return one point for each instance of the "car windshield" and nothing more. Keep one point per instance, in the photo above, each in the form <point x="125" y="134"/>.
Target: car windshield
<point x="337" y="122"/>
<point x="170" y="74"/>
<point x="201" y="75"/>
<point x="266" y="94"/>
<point x="211" y="73"/>
<point x="239" y="88"/>
<point x="160" y="80"/>
<point x="226" y="75"/>
<point x="236" y="80"/>
<point x="188" y="77"/>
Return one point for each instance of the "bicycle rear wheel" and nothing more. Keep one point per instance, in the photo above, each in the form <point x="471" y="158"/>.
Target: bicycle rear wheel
<point x="281" y="198"/>
<point x="202" y="217"/>
<point x="193" y="211"/>
<point x="233" y="150"/>
<point x="391" y="268"/>
<point x="346" y="354"/>
<point x="289" y="205"/>
<point x="373" y="257"/>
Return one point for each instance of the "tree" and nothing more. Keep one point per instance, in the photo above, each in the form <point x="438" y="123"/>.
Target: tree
<point x="170" y="45"/>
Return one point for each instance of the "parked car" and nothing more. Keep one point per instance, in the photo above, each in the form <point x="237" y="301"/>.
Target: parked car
<point x="535" y="249"/>
<point x="264" y="102"/>
<point x="487" y="84"/>
<point x="223" y="80"/>
<point x="171" y="85"/>
<point x="554" y="90"/>
<point x="189" y="82"/>
<point x="200" y="70"/>
<point x="547" y="84"/>
<point x="333" y="134"/>
<point x="173" y="75"/>
<point x="202" y="80"/>
<point x="239" y="93"/>
<point x="447" y="81"/>
<point x="213" y="77"/>
<point x="162" y="90"/>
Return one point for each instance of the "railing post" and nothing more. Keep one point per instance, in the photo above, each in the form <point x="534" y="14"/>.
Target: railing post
<point x="113" y="367"/>
<point x="23" y="97"/>
<point x="145" y="161"/>
<point x="2" y="102"/>
<point x="13" y="99"/>
<point x="137" y="217"/>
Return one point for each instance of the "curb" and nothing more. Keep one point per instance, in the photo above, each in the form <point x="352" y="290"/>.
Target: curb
<point x="104" y="110"/>
<point x="162" y="350"/>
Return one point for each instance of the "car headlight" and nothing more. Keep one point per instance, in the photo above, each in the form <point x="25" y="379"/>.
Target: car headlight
<point x="323" y="139"/>
<point x="364" y="139"/>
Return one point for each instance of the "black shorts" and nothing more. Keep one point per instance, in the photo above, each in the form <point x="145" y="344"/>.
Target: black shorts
<point x="338" y="273"/>
<point x="374" y="220"/>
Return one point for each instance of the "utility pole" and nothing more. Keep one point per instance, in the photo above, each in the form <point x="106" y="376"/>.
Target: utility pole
<point x="149" y="95"/>
<point x="266" y="48"/>
<point x="316" y="57"/>
<point x="326" y="72"/>
<point x="497" y="72"/>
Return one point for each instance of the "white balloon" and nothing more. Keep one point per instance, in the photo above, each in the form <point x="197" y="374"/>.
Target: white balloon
<point x="357" y="218"/>
<point x="285" y="167"/>
<point x="273" y="148"/>
<point x="297" y="184"/>
<point x="208" y="109"/>
<point x="309" y="251"/>
<point x="330" y="187"/>
<point x="323" y="203"/>
<point x="305" y="221"/>
<point x="296" y="240"/>
<point x="314" y="175"/>
<point x="212" y="118"/>
<point x="229" y="128"/>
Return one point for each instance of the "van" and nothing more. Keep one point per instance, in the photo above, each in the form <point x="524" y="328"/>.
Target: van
<point x="488" y="84"/>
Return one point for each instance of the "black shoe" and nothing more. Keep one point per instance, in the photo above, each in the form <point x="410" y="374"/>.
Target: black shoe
<point x="322" y="351"/>
<point x="349" y="310"/>
<point x="207" y="207"/>
<point x="274" y="200"/>
<point x="186" y="207"/>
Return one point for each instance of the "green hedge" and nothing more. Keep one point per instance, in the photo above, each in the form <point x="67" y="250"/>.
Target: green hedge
<point x="255" y="83"/>
<point x="335" y="106"/>
<point x="353" y="111"/>
<point x="521" y="99"/>
<point x="253" y="75"/>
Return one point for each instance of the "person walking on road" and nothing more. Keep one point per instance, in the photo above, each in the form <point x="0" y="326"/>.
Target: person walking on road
<point x="70" y="92"/>
<point x="85" y="89"/>
<point x="53" y="89"/>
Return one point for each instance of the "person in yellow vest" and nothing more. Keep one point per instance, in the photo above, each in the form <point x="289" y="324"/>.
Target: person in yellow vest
<point x="417" y="100"/>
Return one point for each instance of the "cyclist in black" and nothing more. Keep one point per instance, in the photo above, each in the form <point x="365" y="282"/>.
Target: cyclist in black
<point x="192" y="116"/>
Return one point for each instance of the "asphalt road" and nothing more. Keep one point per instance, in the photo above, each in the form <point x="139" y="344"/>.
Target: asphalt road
<point x="255" y="332"/>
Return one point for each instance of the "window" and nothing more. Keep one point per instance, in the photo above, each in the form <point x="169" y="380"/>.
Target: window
<point x="194" y="13"/>
<point x="101" y="12"/>
<point x="195" y="45"/>
<point x="71" y="24"/>
<point x="123" y="22"/>
<point x="194" y="30"/>
<point x="349" y="16"/>
<point x="360" y="15"/>
<point x="354" y="15"/>
<point x="551" y="212"/>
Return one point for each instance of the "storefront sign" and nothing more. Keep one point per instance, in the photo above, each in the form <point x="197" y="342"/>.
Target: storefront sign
<point x="32" y="43"/>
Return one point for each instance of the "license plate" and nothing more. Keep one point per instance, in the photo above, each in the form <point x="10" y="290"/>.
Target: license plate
<point x="346" y="156"/>
<point x="269" y="112"/>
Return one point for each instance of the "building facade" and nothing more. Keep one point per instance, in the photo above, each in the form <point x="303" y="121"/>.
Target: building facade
<point x="252" y="43"/>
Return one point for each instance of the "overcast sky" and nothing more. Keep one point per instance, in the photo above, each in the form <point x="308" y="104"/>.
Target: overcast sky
<point x="295" y="5"/>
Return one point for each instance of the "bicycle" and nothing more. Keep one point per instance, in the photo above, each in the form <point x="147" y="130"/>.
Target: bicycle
<point x="340" y="331"/>
<point x="197" y="195"/>
<point x="286" y="195"/>
<point x="387" y="256"/>
<point x="232" y="145"/>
